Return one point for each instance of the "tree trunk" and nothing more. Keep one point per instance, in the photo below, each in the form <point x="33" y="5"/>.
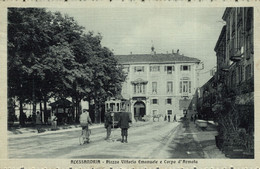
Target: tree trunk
<point x="21" y="119"/>
<point x="73" y="110"/>
<point x="96" y="111"/>
<point x="45" y="110"/>
<point x="77" y="110"/>
<point x="33" y="95"/>
<point x="42" y="115"/>
<point x="99" y="108"/>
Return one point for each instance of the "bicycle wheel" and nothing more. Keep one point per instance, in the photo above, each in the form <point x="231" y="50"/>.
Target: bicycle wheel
<point x="81" y="140"/>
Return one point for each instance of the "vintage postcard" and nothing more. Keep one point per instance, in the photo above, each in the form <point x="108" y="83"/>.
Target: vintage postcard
<point x="129" y="84"/>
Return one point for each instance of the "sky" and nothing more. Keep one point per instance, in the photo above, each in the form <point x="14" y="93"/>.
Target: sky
<point x="194" y="31"/>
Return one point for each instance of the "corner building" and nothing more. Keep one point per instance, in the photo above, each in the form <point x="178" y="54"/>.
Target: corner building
<point x="159" y="84"/>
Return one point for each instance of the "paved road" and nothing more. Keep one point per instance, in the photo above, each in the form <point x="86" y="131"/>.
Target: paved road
<point x="147" y="140"/>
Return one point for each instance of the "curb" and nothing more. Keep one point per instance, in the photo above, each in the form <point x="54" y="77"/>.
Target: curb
<point x="48" y="131"/>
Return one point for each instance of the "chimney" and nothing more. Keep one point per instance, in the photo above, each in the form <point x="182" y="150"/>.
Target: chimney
<point x="152" y="50"/>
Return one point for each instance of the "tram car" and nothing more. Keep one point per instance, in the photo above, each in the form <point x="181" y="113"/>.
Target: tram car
<point x="117" y="106"/>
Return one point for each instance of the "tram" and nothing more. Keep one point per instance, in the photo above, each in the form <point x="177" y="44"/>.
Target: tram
<point x="117" y="106"/>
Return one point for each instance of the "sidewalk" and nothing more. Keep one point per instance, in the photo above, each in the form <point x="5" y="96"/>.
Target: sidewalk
<point x="206" y="139"/>
<point x="31" y="131"/>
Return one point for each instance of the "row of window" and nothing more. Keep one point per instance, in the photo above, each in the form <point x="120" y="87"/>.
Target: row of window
<point x="168" y="69"/>
<point x="185" y="87"/>
<point x="240" y="32"/>
<point x="156" y="112"/>
<point x="240" y="74"/>
<point x="166" y="101"/>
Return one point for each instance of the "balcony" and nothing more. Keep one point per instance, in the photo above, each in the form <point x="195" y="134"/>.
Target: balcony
<point x="237" y="56"/>
<point x="184" y="95"/>
<point x="225" y="69"/>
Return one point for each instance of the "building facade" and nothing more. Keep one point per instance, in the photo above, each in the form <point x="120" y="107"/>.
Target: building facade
<point x="234" y="102"/>
<point x="235" y="47"/>
<point x="159" y="84"/>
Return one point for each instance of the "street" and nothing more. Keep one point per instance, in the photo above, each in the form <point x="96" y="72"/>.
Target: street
<point x="147" y="140"/>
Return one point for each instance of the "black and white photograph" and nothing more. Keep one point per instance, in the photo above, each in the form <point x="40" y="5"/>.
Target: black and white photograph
<point x="130" y="83"/>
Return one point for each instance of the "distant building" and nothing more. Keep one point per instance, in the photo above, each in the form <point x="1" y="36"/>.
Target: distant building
<point x="206" y="98"/>
<point x="159" y="84"/>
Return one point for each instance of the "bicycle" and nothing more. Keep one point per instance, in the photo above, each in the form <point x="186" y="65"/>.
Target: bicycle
<point x="84" y="138"/>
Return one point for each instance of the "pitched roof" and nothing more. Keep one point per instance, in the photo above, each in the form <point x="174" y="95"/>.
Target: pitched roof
<point x="154" y="58"/>
<point x="222" y="37"/>
<point x="61" y="103"/>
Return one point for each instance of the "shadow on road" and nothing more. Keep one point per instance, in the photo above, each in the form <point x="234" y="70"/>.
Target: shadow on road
<point x="184" y="144"/>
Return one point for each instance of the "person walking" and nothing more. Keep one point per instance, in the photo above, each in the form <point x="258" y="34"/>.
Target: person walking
<point x="38" y="122"/>
<point x="34" y="118"/>
<point x="54" y="122"/>
<point x="191" y="118"/>
<point x="85" y="121"/>
<point x="123" y="123"/>
<point x="108" y="123"/>
<point x="174" y="118"/>
<point x="195" y="118"/>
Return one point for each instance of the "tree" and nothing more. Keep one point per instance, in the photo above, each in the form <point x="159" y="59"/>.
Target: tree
<point x="28" y="38"/>
<point x="107" y="77"/>
<point x="49" y="55"/>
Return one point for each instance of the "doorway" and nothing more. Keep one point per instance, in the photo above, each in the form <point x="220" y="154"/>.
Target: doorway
<point x="139" y="111"/>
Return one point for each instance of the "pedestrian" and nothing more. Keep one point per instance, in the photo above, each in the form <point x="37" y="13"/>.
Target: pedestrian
<point x="195" y="118"/>
<point x="23" y="119"/>
<point x="169" y="118"/>
<point x="54" y="122"/>
<point x="38" y="121"/>
<point x="191" y="117"/>
<point x="34" y="118"/>
<point x="85" y="121"/>
<point x="174" y="118"/>
<point x="123" y="123"/>
<point x="108" y="123"/>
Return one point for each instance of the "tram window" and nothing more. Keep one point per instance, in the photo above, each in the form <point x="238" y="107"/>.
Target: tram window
<point x="118" y="107"/>
<point x="107" y="106"/>
<point x="112" y="106"/>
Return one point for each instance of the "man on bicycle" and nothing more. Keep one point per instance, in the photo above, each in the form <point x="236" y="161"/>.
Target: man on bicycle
<point x="84" y="122"/>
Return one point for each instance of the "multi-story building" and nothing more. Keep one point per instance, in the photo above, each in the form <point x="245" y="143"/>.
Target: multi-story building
<point x="235" y="47"/>
<point x="159" y="84"/>
<point x="235" y="52"/>
<point x="235" y="80"/>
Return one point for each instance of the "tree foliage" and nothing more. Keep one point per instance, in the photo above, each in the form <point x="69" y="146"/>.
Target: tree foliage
<point x="50" y="55"/>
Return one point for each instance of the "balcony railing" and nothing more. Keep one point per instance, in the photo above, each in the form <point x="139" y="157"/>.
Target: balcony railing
<point x="237" y="56"/>
<point x="225" y="68"/>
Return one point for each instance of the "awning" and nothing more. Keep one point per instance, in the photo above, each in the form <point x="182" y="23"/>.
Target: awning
<point x="184" y="104"/>
<point x="139" y="81"/>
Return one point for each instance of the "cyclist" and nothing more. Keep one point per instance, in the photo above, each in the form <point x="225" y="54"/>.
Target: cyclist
<point x="84" y="122"/>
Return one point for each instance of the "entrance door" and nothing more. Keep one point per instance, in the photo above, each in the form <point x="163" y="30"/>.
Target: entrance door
<point x="139" y="110"/>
